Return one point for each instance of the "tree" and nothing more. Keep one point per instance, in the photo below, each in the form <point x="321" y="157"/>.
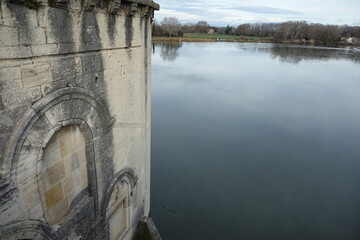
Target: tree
<point x="228" y="30"/>
<point x="243" y="29"/>
<point x="171" y="25"/>
<point x="202" y="27"/>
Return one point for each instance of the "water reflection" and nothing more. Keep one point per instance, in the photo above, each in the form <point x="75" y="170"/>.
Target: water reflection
<point x="296" y="54"/>
<point x="248" y="147"/>
<point x="293" y="54"/>
<point x="169" y="51"/>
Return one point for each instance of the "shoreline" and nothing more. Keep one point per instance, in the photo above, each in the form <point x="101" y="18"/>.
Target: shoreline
<point x="265" y="40"/>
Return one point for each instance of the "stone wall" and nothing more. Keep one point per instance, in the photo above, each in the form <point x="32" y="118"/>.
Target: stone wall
<point x="74" y="118"/>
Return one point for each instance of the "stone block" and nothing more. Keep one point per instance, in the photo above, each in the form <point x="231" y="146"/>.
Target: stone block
<point x="26" y="166"/>
<point x="67" y="48"/>
<point x="8" y="36"/>
<point x="36" y="74"/>
<point x="10" y="85"/>
<point x="29" y="193"/>
<point x="68" y="185"/>
<point x="68" y="67"/>
<point x="92" y="63"/>
<point x="51" y="154"/>
<point x="10" y="73"/>
<point x="58" y="211"/>
<point x="10" y="214"/>
<point x="37" y="36"/>
<point x="53" y="86"/>
<point x="77" y="179"/>
<point x="75" y="164"/>
<point x="79" y="140"/>
<point x="53" y="175"/>
<point x="66" y="146"/>
<point x="15" y="52"/>
<point x="68" y="166"/>
<point x="54" y="195"/>
<point x="44" y="50"/>
<point x="15" y="99"/>
<point x="83" y="176"/>
<point x="36" y="212"/>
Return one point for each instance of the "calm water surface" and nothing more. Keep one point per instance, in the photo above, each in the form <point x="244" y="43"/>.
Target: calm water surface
<point x="255" y="141"/>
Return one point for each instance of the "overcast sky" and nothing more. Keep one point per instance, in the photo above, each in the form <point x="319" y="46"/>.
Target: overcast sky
<point x="235" y="12"/>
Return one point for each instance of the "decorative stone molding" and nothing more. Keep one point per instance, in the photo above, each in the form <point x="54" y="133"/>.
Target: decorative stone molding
<point x="127" y="174"/>
<point x="88" y="5"/>
<point x="114" y="6"/>
<point x="58" y="3"/>
<point x="30" y="229"/>
<point x="133" y="8"/>
<point x="145" y="12"/>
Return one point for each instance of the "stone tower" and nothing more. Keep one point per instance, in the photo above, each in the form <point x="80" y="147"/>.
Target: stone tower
<point x="74" y="118"/>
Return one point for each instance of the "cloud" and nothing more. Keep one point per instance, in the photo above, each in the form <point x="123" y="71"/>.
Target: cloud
<point x="178" y="14"/>
<point x="267" y="10"/>
<point x="220" y="13"/>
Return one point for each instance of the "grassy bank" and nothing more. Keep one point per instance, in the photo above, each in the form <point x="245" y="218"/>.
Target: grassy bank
<point x="231" y="38"/>
<point x="211" y="38"/>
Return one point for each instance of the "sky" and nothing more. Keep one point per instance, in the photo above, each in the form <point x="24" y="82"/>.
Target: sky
<point x="235" y="12"/>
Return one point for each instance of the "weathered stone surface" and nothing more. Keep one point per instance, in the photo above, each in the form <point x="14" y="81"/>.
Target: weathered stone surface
<point x="10" y="73"/>
<point x="74" y="118"/>
<point x="35" y="75"/>
<point x="8" y="36"/>
<point x="21" y="97"/>
<point x="15" y="52"/>
<point x="45" y="49"/>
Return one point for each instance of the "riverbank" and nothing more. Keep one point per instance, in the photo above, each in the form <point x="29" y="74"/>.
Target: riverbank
<point x="231" y="38"/>
<point x="211" y="38"/>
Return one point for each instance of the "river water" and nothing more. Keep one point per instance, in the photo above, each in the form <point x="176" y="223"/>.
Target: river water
<point x="255" y="141"/>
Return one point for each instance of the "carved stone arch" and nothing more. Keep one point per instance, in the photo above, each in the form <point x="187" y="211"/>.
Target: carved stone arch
<point x="30" y="229"/>
<point x="127" y="174"/>
<point x="91" y="173"/>
<point x="24" y="151"/>
<point x="36" y="113"/>
<point x="117" y="203"/>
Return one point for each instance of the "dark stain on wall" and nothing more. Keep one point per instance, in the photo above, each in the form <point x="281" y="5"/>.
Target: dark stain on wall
<point x="111" y="27"/>
<point x="62" y="28"/>
<point x="23" y="28"/>
<point x="93" y="77"/>
<point x="129" y="32"/>
<point x="1" y="104"/>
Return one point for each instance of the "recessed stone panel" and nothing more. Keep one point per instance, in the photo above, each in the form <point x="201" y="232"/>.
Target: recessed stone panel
<point x="54" y="195"/>
<point x="64" y="171"/>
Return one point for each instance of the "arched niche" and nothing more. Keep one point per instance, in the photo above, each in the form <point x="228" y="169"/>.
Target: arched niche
<point x="117" y="203"/>
<point x="30" y="229"/>
<point x="63" y="173"/>
<point x="23" y="160"/>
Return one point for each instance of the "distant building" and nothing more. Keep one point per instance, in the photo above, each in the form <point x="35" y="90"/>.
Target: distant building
<point x="352" y="40"/>
<point x="211" y="31"/>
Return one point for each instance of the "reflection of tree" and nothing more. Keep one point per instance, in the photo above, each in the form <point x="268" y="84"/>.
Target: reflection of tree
<point x="291" y="54"/>
<point x="169" y="51"/>
<point x="295" y="54"/>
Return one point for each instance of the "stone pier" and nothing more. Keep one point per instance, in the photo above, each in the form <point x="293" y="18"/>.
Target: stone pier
<point x="75" y="110"/>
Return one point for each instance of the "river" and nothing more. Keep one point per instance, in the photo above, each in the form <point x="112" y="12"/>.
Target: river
<point x="255" y="141"/>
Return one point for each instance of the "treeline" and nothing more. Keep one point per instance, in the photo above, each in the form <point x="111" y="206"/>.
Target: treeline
<point x="293" y="31"/>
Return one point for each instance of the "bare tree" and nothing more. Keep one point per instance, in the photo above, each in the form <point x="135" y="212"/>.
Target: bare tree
<point x="202" y="27"/>
<point x="171" y="25"/>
